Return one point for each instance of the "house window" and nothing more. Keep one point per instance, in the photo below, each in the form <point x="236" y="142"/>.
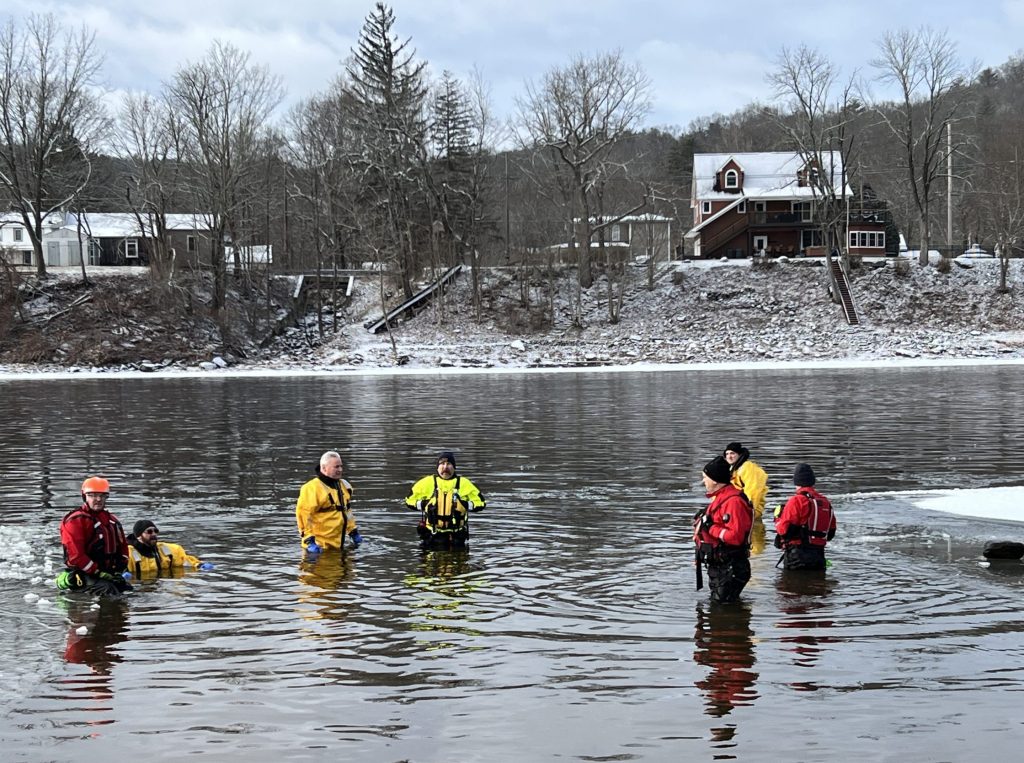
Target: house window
<point x="741" y="208"/>
<point x="616" y="233"/>
<point x="705" y="207"/>
<point x="803" y="209"/>
<point x="18" y="233"/>
<point x="867" y="239"/>
<point x="131" y="249"/>
<point x="190" y="243"/>
<point x="732" y="179"/>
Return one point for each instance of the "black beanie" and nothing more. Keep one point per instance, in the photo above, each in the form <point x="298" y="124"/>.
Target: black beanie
<point x="803" y="475"/>
<point x="719" y="470"/>
<point x="141" y="526"/>
<point x="446" y="455"/>
<point x="736" y="447"/>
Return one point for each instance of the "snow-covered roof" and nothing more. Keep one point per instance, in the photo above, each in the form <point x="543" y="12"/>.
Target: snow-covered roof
<point x="126" y="224"/>
<point x="766" y="175"/>
<point x="15" y="218"/>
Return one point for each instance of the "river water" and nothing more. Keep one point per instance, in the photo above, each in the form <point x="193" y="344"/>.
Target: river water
<point x="570" y="630"/>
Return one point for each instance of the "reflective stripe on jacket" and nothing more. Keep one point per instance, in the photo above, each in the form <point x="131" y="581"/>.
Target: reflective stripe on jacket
<point x="731" y="519"/>
<point x="806" y="519"/>
<point x="322" y="512"/>
<point x="445" y="502"/>
<point x="93" y="541"/>
<point x="166" y="557"/>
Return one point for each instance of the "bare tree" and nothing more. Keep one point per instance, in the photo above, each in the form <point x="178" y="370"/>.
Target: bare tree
<point x="224" y="103"/>
<point x="50" y="117"/>
<point x="817" y="115"/>
<point x="932" y="84"/>
<point x="148" y="139"/>
<point x="578" y="113"/>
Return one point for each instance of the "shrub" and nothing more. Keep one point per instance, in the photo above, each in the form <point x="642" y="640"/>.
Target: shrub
<point x="902" y="268"/>
<point x="945" y="265"/>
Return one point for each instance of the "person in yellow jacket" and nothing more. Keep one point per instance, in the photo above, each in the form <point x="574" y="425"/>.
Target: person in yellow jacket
<point x="150" y="557"/>
<point x="323" y="512"/>
<point x="747" y="476"/>
<point x="444" y="500"/>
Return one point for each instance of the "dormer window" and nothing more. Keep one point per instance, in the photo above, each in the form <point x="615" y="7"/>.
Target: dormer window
<point x="732" y="179"/>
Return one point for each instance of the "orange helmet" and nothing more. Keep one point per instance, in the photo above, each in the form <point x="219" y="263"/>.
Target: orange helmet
<point x="95" y="485"/>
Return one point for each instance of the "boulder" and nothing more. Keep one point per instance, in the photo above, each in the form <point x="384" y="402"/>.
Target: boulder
<point x="1003" y="549"/>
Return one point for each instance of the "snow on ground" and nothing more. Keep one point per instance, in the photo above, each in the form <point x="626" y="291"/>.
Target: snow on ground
<point x="697" y="315"/>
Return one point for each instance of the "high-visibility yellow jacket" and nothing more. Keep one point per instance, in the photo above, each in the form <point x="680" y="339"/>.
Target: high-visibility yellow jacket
<point x="445" y="503"/>
<point x="753" y="481"/>
<point x="166" y="558"/>
<point x="322" y="513"/>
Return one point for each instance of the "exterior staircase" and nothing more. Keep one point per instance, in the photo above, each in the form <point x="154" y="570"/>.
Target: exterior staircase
<point x="708" y="249"/>
<point x="843" y="287"/>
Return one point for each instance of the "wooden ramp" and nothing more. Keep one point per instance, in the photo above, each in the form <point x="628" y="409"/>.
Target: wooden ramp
<point x="415" y="303"/>
<point x="845" y="297"/>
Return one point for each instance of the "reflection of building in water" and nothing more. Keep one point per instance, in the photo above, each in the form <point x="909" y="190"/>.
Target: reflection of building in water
<point x="724" y="642"/>
<point x="804" y="598"/>
<point x="97" y="627"/>
<point x="442" y="589"/>
<point x="321" y="577"/>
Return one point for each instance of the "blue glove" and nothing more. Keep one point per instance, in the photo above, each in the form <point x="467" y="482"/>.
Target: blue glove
<point x="126" y="575"/>
<point x="206" y="566"/>
<point x="356" y="538"/>
<point x="312" y="547"/>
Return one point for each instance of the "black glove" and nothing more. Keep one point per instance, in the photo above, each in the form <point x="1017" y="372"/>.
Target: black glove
<point x="778" y="541"/>
<point x="706" y="523"/>
<point x="474" y="508"/>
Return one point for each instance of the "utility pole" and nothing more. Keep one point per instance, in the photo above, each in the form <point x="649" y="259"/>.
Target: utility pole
<point x="949" y="186"/>
<point x="507" y="226"/>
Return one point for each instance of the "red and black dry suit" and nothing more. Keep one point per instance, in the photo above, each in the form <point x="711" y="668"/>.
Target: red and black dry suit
<point x="722" y="535"/>
<point x="803" y="528"/>
<point x="94" y="542"/>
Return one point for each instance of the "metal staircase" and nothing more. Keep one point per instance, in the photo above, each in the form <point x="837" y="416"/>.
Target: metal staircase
<point x="843" y="288"/>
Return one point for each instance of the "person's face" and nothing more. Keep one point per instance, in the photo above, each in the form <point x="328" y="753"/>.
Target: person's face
<point x="709" y="484"/>
<point x="149" y="536"/>
<point x="445" y="468"/>
<point x="732" y="456"/>
<point x="96" y="501"/>
<point x="333" y="468"/>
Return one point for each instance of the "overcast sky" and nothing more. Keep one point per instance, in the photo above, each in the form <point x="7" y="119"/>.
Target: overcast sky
<point x="702" y="57"/>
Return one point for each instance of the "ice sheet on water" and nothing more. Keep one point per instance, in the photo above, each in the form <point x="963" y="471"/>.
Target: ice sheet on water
<point x="1004" y="503"/>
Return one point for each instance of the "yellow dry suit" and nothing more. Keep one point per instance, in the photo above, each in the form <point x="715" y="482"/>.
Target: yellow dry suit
<point x="166" y="559"/>
<point x="322" y="512"/>
<point x="445" y="505"/>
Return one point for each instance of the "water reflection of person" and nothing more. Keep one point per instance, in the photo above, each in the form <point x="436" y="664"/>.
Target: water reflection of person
<point x="724" y="641"/>
<point x="444" y="587"/>
<point x="321" y="576"/>
<point x="96" y="628"/>
<point x="804" y="599"/>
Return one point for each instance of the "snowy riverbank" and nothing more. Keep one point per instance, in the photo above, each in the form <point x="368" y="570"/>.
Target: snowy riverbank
<point x="697" y="315"/>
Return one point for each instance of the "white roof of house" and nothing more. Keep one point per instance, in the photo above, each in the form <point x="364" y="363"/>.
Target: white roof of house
<point x="126" y="224"/>
<point x="766" y="175"/>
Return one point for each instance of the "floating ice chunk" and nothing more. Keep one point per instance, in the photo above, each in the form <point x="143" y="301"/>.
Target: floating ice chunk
<point x="31" y="597"/>
<point x="82" y="630"/>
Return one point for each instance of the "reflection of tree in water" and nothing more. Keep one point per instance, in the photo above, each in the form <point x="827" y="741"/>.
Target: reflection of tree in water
<point x="97" y="627"/>
<point x="804" y="595"/>
<point x="322" y="576"/>
<point x="443" y="586"/>
<point x="724" y="642"/>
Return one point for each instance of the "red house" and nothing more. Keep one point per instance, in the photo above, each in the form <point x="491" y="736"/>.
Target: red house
<point x="769" y="204"/>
